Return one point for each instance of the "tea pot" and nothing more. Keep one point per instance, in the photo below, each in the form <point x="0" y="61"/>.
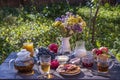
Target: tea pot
<point x="24" y="62"/>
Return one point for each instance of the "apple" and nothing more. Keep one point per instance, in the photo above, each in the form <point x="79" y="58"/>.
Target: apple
<point x="104" y="49"/>
<point x="94" y="50"/>
<point x="118" y="57"/>
<point x="53" y="47"/>
<point x="54" y="64"/>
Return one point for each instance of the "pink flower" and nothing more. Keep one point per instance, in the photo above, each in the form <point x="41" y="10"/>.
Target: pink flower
<point x="104" y="49"/>
<point x="54" y="64"/>
<point x="53" y="47"/>
<point x="94" y="50"/>
<point x="98" y="52"/>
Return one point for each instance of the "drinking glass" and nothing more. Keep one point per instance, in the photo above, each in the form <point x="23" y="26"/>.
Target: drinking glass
<point x="45" y="64"/>
<point x="29" y="47"/>
<point x="88" y="60"/>
<point x="103" y="63"/>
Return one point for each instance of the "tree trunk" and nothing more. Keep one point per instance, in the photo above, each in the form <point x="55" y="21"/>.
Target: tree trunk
<point x="94" y="22"/>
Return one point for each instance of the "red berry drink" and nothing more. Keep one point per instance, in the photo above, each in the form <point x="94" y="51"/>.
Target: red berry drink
<point x="87" y="65"/>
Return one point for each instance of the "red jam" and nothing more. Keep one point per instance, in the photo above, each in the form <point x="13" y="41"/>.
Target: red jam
<point x="87" y="65"/>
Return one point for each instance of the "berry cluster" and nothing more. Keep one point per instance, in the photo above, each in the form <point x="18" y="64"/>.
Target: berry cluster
<point x="45" y="51"/>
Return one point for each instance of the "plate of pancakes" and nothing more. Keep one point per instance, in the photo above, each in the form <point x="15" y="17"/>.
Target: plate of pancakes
<point x="68" y="69"/>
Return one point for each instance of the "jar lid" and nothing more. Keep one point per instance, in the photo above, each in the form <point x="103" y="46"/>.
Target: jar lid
<point x="23" y="53"/>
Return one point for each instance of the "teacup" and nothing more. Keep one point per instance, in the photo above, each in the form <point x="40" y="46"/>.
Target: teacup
<point x="103" y="63"/>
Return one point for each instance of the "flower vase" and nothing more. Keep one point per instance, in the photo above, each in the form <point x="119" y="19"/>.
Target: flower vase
<point x="80" y="50"/>
<point x="65" y="46"/>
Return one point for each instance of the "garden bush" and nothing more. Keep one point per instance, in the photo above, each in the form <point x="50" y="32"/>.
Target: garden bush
<point x="19" y="25"/>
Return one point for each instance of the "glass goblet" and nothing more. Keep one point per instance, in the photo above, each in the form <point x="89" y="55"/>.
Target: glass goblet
<point x="45" y="65"/>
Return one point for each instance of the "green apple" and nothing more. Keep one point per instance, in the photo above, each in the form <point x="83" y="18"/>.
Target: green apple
<point x="118" y="57"/>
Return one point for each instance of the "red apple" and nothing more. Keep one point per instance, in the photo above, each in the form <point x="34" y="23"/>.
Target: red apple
<point x="54" y="64"/>
<point x="104" y="49"/>
<point x="53" y="47"/>
<point x="94" y="50"/>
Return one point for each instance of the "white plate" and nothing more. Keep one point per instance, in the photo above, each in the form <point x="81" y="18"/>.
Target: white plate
<point x="68" y="73"/>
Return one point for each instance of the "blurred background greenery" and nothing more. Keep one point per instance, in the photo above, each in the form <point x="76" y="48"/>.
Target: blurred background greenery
<point x="28" y="23"/>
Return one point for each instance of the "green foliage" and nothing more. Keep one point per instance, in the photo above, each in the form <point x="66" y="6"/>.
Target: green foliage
<point x="35" y="25"/>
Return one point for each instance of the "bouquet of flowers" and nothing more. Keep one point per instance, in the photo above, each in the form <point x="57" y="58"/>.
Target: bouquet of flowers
<point x="102" y="50"/>
<point x="69" y="24"/>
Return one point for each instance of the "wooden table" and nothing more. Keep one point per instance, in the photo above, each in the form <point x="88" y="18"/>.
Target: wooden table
<point x="11" y="73"/>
